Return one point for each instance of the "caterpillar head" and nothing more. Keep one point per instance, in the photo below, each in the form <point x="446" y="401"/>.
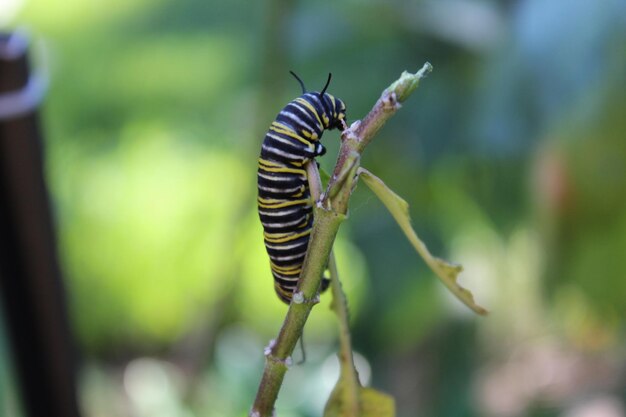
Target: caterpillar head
<point x="334" y="108"/>
<point x="334" y="113"/>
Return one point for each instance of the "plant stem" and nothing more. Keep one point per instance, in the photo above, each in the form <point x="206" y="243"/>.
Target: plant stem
<point x="359" y="135"/>
<point x="349" y="375"/>
<point x="328" y="214"/>
<point x="278" y="353"/>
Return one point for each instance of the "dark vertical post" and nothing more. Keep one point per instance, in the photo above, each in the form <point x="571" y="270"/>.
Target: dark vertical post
<point x="30" y="282"/>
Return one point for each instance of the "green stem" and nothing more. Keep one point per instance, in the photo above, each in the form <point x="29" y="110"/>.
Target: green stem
<point x="278" y="353"/>
<point x="349" y="375"/>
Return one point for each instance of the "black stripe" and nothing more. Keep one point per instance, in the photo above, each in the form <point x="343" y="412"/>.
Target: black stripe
<point x="292" y="146"/>
<point x="289" y="218"/>
<point x="284" y="226"/>
<point x="299" y="246"/>
<point x="296" y="261"/>
<point x="307" y="116"/>
<point x="315" y="101"/>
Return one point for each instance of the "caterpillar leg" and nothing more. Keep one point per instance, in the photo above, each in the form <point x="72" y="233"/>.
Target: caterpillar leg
<point x="325" y="281"/>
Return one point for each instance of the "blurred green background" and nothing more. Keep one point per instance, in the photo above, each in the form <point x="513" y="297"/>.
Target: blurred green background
<point x="511" y="154"/>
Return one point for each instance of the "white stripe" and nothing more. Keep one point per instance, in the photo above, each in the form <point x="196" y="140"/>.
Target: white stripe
<point x="293" y="278"/>
<point x="286" y="224"/>
<point x="280" y="213"/>
<point x="281" y="153"/>
<point x="287" y="247"/>
<point x="281" y="190"/>
<point x="289" y="177"/>
<point x="295" y="118"/>
<point x="307" y="111"/>
<point x="317" y="99"/>
<point x="291" y="142"/>
<point x="286" y="258"/>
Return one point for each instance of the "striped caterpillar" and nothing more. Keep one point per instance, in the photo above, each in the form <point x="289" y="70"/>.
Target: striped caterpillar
<point x="284" y="200"/>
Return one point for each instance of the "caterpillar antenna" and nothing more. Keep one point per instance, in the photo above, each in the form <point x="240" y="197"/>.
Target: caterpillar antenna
<point x="299" y="80"/>
<point x="330" y="75"/>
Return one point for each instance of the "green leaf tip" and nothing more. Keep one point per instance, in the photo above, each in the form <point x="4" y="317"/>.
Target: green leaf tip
<point x="446" y="271"/>
<point x="408" y="82"/>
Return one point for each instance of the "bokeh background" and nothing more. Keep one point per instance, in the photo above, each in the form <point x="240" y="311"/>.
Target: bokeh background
<point x="511" y="154"/>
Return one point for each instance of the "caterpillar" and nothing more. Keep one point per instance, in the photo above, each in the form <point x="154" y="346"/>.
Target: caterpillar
<point x="284" y="200"/>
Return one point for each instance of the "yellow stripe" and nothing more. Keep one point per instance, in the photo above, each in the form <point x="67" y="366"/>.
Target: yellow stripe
<point x="280" y="128"/>
<point x="310" y="107"/>
<point x="287" y="270"/>
<point x="332" y="100"/>
<point x="326" y="120"/>
<point x="284" y="237"/>
<point x="269" y="163"/>
<point x="285" y="169"/>
<point x="270" y="166"/>
<point x="284" y="293"/>
<point x="290" y="170"/>
<point x="303" y="224"/>
<point x="272" y="204"/>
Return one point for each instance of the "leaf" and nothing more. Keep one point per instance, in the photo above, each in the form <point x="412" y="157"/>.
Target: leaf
<point x="399" y="209"/>
<point x="372" y="403"/>
<point x="376" y="404"/>
<point x="335" y="404"/>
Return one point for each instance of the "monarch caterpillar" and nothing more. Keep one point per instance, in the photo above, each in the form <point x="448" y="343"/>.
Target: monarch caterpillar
<point x="284" y="200"/>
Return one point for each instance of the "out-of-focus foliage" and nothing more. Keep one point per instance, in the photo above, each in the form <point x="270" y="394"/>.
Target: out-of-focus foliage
<point x="511" y="156"/>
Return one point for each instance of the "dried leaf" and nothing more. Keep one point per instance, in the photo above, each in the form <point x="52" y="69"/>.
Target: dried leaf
<point x="446" y="271"/>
